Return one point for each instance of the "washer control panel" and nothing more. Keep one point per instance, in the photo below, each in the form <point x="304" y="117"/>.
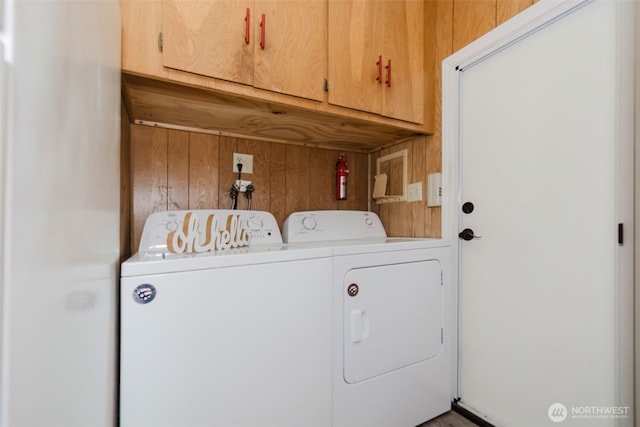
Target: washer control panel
<point x="262" y="227"/>
<point x="316" y="226"/>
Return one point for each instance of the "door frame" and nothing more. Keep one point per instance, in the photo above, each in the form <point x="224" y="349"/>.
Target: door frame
<point x="637" y="227"/>
<point x="628" y="110"/>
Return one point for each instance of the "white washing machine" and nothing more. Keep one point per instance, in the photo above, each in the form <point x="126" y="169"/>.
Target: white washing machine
<point x="237" y="337"/>
<point x="391" y="326"/>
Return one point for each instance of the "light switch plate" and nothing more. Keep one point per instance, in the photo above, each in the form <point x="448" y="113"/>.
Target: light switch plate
<point x="434" y="192"/>
<point x="414" y="192"/>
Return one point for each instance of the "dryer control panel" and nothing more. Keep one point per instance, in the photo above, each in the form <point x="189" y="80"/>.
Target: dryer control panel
<point x="325" y="225"/>
<point x="261" y="227"/>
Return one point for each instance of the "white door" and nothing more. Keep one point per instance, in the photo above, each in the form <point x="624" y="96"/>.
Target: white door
<point x="544" y="322"/>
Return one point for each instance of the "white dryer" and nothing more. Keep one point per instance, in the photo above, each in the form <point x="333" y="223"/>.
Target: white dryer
<point x="391" y="326"/>
<point x="236" y="337"/>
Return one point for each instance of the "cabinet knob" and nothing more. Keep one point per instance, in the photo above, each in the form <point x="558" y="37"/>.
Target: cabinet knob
<point x="379" y="64"/>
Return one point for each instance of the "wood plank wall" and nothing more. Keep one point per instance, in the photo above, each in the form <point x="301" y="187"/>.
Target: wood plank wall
<point x="456" y="23"/>
<point x="410" y="219"/>
<point x="173" y="169"/>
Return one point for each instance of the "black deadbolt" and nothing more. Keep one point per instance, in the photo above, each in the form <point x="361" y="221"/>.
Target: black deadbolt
<point x="467" y="207"/>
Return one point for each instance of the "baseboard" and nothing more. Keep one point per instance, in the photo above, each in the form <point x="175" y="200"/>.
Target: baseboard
<point x="469" y="415"/>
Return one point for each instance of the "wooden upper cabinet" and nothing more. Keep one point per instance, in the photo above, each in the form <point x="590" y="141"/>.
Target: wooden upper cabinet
<point x="294" y="58"/>
<point x="273" y="45"/>
<point x="354" y="27"/>
<point x="208" y="37"/>
<point x="403" y="52"/>
<point x="376" y="57"/>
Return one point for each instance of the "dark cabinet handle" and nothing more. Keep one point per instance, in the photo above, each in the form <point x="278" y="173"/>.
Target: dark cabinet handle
<point x="388" y="67"/>
<point x="379" y="64"/>
<point x="247" y="26"/>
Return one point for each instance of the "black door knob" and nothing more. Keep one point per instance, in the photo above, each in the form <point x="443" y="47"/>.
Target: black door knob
<point x="467" y="234"/>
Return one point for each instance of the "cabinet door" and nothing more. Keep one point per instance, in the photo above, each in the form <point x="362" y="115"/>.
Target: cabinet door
<point x="354" y="34"/>
<point x="293" y="60"/>
<point x="403" y="45"/>
<point x="208" y="37"/>
<point x="361" y="32"/>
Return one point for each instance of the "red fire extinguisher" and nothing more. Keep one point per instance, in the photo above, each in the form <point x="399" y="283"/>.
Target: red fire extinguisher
<point x="342" y="170"/>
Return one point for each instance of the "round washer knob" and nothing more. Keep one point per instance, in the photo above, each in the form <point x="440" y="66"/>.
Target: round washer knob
<point x="368" y="221"/>
<point x="255" y="223"/>
<point x="172" y="225"/>
<point x="309" y="223"/>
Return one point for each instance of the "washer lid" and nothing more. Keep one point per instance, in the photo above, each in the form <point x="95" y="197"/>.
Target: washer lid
<point x="142" y="265"/>
<point x="389" y="244"/>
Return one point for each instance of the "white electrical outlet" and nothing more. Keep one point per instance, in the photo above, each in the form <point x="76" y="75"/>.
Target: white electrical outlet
<point x="414" y="192"/>
<point x="241" y="185"/>
<point x="245" y="159"/>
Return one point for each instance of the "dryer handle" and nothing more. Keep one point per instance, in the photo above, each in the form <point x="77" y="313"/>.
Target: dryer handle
<point x="359" y="325"/>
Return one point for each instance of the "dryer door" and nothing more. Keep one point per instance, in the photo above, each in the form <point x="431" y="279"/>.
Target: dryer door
<point x="392" y="317"/>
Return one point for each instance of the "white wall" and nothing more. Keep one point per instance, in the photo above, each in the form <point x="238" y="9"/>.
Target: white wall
<point x="61" y="214"/>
